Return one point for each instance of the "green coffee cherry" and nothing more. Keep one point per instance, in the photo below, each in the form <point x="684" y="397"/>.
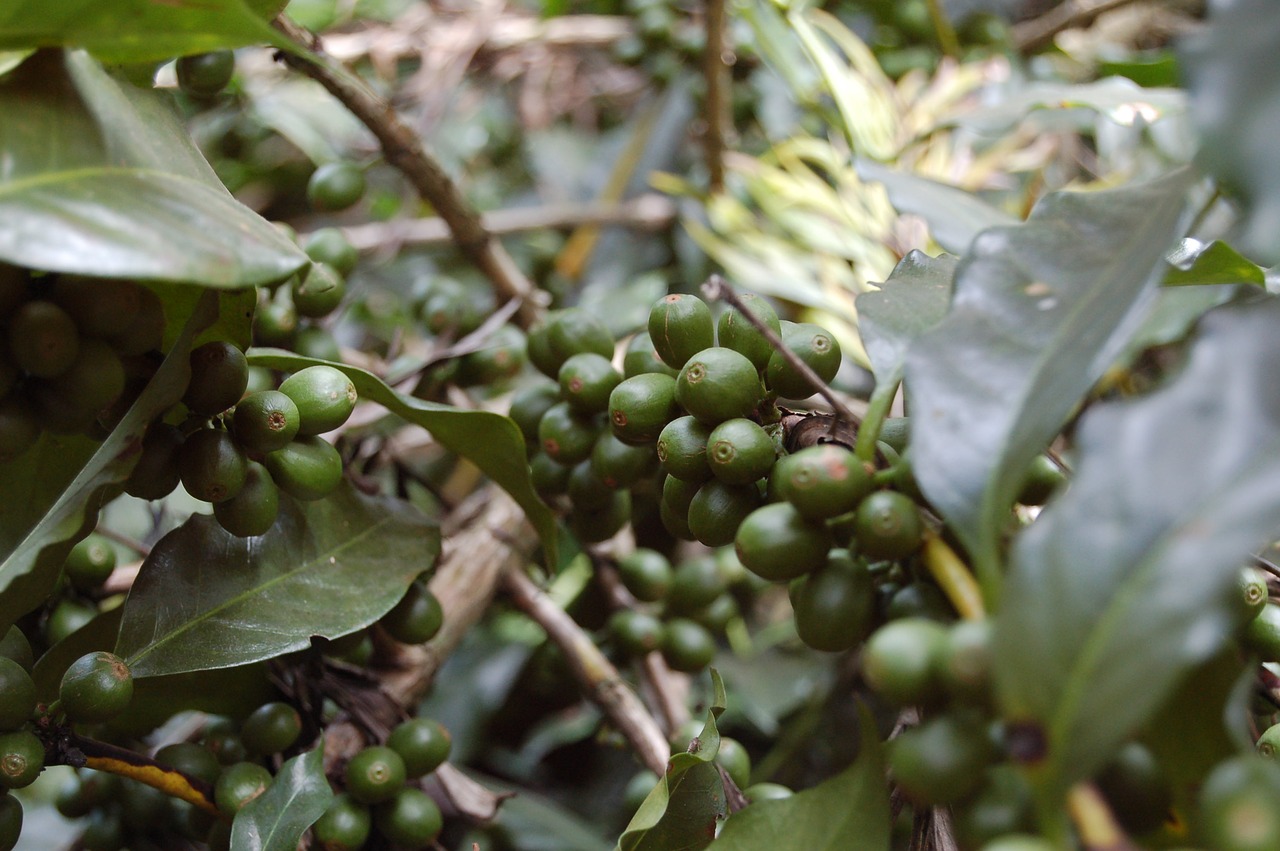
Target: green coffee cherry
<point x="146" y="331"/>
<point x="718" y="509"/>
<point x="717" y="615"/>
<point x="687" y="646"/>
<point x="375" y="774"/>
<point x="90" y="562"/>
<point x="1002" y="806"/>
<point x="212" y="465"/>
<point x="591" y="526"/>
<point x="919" y="599"/>
<point x="21" y="759"/>
<point x="646" y="574"/>
<point x="97" y="687"/>
<point x="718" y="384"/>
<point x="735" y="331"/>
<point x="888" y="526"/>
<point x="502" y="356"/>
<point x="941" y="761"/>
<point x="335" y="186"/>
<point x="345" y="825"/>
<point x="328" y="245"/>
<point x="682" y="449"/>
<point x="156" y="474"/>
<point x="17" y="695"/>
<point x="410" y="820"/>
<point x="641" y="406"/>
<point x="43" y="339"/>
<point x="675" y="520"/>
<point x="538" y="344"/>
<point x="271" y="728"/>
<point x="735" y="761"/>
<point x="313" y="341"/>
<point x="618" y="464"/>
<point x="565" y="436"/>
<point x="834" y="606"/>
<point x="219" y="376"/>
<point x="308" y="468"/>
<point x="317" y="291"/>
<point x="901" y="660"/>
<point x="816" y="348"/>
<point x="238" y="784"/>
<point x="191" y="759"/>
<point x="822" y="481"/>
<point x="1240" y="805"/>
<point x="203" y="75"/>
<point x="694" y="584"/>
<point x="550" y="478"/>
<point x="1268" y="743"/>
<point x="422" y="743"/>
<point x="1043" y="478"/>
<point x="586" y="380"/>
<point x="574" y="331"/>
<point x="10" y="821"/>
<point x="641" y="357"/>
<point x="266" y="421"/>
<point x="529" y="405"/>
<point x="680" y="326"/>
<point x="19" y="427"/>
<point x="1019" y="842"/>
<point x="68" y="616"/>
<point x="91" y="385"/>
<point x="416" y="618"/>
<point x="636" y="633"/>
<point x="586" y="489"/>
<point x="965" y="664"/>
<point x="1253" y="592"/>
<point x="775" y="543"/>
<point x="1262" y="634"/>
<point x="739" y="452"/>
<point x="757" y="792"/>
<point x="14" y="645"/>
<point x="325" y="398"/>
<point x="275" y="323"/>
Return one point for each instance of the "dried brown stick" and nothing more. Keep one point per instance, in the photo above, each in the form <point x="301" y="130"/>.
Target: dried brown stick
<point x="717" y="111"/>
<point x="718" y="289"/>
<point x="404" y="150"/>
<point x="598" y="677"/>
<point x="1030" y="36"/>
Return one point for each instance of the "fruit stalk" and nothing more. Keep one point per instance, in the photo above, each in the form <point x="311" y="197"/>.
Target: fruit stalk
<point x="717" y="288"/>
<point x="953" y="577"/>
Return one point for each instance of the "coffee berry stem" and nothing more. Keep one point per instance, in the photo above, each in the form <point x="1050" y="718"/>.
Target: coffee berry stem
<point x="717" y="288"/>
<point x="1094" y="821"/>
<point x="878" y="408"/>
<point x="953" y="577"/>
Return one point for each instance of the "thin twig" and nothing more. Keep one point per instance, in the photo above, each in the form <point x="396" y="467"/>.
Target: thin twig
<point x="717" y="111"/>
<point x="1030" y="36"/>
<point x="599" y="679"/>
<point x="124" y="540"/>
<point x="718" y="289"/>
<point x="404" y="150"/>
<point x="648" y="212"/>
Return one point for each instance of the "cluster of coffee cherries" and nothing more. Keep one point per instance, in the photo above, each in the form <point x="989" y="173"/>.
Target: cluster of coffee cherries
<point x="74" y="353"/>
<point x="679" y="610"/>
<point x="289" y="316"/>
<point x="237" y="450"/>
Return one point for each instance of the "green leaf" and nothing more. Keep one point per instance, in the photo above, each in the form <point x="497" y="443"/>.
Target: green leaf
<point x="205" y="599"/>
<point x="276" y="819"/>
<point x="913" y="300"/>
<point x="490" y="441"/>
<point x="849" y="812"/>
<point x="1039" y="312"/>
<point x="54" y="490"/>
<point x="137" y="30"/>
<point x="681" y="812"/>
<point x="1127" y="582"/>
<point x="1234" y="85"/>
<point x="1195" y="262"/>
<point x="954" y="215"/>
<point x="538" y="823"/>
<point x="101" y="178"/>
<point x="1118" y="99"/>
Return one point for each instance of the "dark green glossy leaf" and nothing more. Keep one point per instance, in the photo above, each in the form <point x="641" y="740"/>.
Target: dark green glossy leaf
<point x="538" y="823"/>
<point x="490" y="441"/>
<point x="1215" y="262"/>
<point x="54" y="490"/>
<point x="849" y="812"/>
<point x="954" y="215"/>
<point x="1233" y="78"/>
<point x="681" y="812"/>
<point x="100" y="178"/>
<point x="137" y="30"/>
<point x="913" y="300"/>
<point x="1127" y="581"/>
<point x="276" y="819"/>
<point x="205" y="599"/>
<point x="234" y="692"/>
<point x="1039" y="312"/>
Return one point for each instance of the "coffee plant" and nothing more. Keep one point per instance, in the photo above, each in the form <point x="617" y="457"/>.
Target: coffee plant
<point x="910" y="482"/>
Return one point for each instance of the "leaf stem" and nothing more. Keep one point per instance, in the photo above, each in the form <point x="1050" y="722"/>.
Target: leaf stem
<point x="877" y="409"/>
<point x="101" y="756"/>
<point x="718" y="289"/>
<point x="943" y="29"/>
<point x="953" y="577"/>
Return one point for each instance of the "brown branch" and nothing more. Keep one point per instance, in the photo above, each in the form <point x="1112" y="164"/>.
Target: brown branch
<point x="597" y="676"/>
<point x="1037" y="33"/>
<point x="717" y="106"/>
<point x="718" y="289"/>
<point x="404" y="150"/>
<point x="648" y="212"/>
